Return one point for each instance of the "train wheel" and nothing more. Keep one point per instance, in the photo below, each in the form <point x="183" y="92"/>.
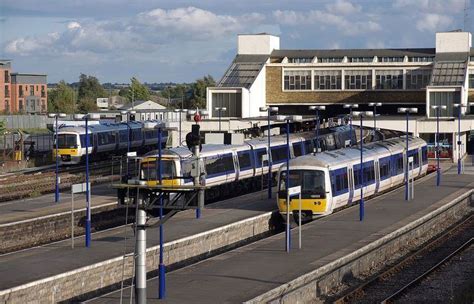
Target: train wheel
<point x="306" y="216"/>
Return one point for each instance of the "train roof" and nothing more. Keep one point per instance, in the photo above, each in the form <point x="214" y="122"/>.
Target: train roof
<point x="340" y="156"/>
<point x="103" y="127"/>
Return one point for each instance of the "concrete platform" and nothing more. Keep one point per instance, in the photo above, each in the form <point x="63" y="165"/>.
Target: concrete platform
<point x="250" y="271"/>
<point x="40" y="263"/>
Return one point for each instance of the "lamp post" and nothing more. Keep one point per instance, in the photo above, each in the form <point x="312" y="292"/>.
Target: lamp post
<point x="375" y="105"/>
<point x="438" y="171"/>
<point x="180" y="111"/>
<point x="407" y="111"/>
<point x="128" y="113"/>
<point x="269" y="110"/>
<point x="317" y="109"/>
<point x="220" y="110"/>
<point x="55" y="116"/>
<point x="361" y="172"/>
<point x="351" y="106"/>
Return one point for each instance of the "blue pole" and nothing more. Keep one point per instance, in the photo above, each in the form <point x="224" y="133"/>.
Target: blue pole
<point x="438" y="171"/>
<point x="375" y="120"/>
<point x="288" y="234"/>
<point x="269" y="161"/>
<point x="459" y="139"/>
<point x="361" y="205"/>
<point x="161" y="266"/>
<point x="406" y="169"/>
<point x="56" y="194"/>
<point x="350" y="126"/>
<point x="317" y="130"/>
<point x="88" y="203"/>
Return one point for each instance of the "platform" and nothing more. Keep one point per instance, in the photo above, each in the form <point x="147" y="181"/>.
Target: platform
<point x="252" y="270"/>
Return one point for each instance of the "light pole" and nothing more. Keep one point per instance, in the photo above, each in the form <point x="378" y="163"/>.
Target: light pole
<point x="438" y="171"/>
<point x="180" y="111"/>
<point x="128" y="113"/>
<point x="220" y="110"/>
<point x="317" y="109"/>
<point x="269" y="110"/>
<point x="55" y="116"/>
<point x="351" y="106"/>
<point x="407" y="111"/>
<point x="375" y="105"/>
<point x="361" y="172"/>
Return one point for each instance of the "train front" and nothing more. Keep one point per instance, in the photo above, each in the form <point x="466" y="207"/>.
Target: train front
<point x="314" y="191"/>
<point x="149" y="171"/>
<point x="69" y="147"/>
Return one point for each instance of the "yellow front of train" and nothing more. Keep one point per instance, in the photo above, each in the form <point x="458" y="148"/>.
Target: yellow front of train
<point x="169" y="169"/>
<point x="315" y="192"/>
<point x="69" y="148"/>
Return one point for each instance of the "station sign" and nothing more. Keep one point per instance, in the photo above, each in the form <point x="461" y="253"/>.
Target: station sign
<point x="294" y="190"/>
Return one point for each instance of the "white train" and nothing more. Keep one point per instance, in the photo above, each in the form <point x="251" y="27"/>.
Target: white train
<point x="331" y="179"/>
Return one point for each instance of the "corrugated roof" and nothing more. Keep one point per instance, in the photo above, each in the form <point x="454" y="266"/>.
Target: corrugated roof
<point x="243" y="71"/>
<point x="415" y="52"/>
<point x="447" y="73"/>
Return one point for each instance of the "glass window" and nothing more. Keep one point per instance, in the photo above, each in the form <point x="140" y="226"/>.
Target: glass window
<point x="297" y="150"/>
<point x="391" y="59"/>
<point x="297" y="80"/>
<point x="231" y="101"/>
<point x="330" y="59"/>
<point x="219" y="165"/>
<point x="279" y="154"/>
<point x="421" y="59"/>
<point x="327" y="80"/>
<point x="444" y="98"/>
<point x="418" y="79"/>
<point x="471" y="81"/>
<point x="308" y="146"/>
<point x="300" y="60"/>
<point x="258" y="157"/>
<point x="150" y="169"/>
<point x="361" y="59"/>
<point x="244" y="160"/>
<point x="7" y="76"/>
<point x="312" y="183"/>
<point x="67" y="141"/>
<point x="358" y="79"/>
<point x="389" y="79"/>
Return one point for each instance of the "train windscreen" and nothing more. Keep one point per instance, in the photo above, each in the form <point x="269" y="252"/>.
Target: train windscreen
<point x="67" y="141"/>
<point x="149" y="170"/>
<point x="312" y="183"/>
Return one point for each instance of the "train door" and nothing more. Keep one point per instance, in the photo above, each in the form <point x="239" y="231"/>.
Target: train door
<point x="377" y="175"/>
<point x="236" y="165"/>
<point x="350" y="175"/>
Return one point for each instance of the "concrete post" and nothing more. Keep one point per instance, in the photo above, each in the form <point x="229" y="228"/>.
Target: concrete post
<point x="140" y="257"/>
<point x="197" y="182"/>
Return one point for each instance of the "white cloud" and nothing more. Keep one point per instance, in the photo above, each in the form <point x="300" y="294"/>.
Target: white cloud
<point x="430" y="6"/>
<point x="343" y="7"/>
<point x="433" y="22"/>
<point x="73" y="25"/>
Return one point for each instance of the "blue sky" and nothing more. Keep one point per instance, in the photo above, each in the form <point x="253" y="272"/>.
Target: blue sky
<point x="159" y="41"/>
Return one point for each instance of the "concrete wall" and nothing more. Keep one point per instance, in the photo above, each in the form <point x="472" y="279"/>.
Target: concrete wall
<point x="26" y="121"/>
<point x="84" y="282"/>
<point x="276" y="96"/>
<point x="456" y="42"/>
<point x="316" y="285"/>
<point x="260" y="44"/>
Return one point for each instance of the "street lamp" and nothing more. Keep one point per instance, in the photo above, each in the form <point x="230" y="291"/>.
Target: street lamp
<point x="220" y="110"/>
<point x="317" y="109"/>
<point x="407" y="111"/>
<point x="375" y="105"/>
<point x="361" y="172"/>
<point x="55" y="116"/>
<point x="351" y="106"/>
<point x="269" y="110"/>
<point x="128" y="113"/>
<point x="288" y="119"/>
<point x="438" y="171"/>
<point x="180" y="111"/>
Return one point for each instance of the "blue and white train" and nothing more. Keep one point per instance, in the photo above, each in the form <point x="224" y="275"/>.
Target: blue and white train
<point x="331" y="180"/>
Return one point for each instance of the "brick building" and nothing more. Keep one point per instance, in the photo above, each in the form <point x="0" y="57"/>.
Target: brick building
<point x="22" y="92"/>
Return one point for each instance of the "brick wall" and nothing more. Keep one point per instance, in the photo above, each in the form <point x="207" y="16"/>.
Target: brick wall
<point x="275" y="94"/>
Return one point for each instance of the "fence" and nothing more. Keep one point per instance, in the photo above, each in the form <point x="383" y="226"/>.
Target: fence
<point x="26" y="121"/>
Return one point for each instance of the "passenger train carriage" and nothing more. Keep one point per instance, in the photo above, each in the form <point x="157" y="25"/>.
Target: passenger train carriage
<point x="331" y="179"/>
<point x="104" y="139"/>
<point x="235" y="169"/>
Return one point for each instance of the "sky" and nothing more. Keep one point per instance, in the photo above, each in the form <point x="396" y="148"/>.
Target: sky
<point x="180" y="41"/>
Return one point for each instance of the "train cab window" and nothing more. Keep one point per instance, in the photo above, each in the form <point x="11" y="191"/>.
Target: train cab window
<point x="312" y="183"/>
<point x="308" y="147"/>
<point x="245" y="162"/>
<point x="258" y="158"/>
<point x="279" y="154"/>
<point x="148" y="170"/>
<point x="297" y="149"/>
<point x="67" y="141"/>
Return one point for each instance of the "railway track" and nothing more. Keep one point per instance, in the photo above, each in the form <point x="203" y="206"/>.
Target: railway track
<point x="396" y="280"/>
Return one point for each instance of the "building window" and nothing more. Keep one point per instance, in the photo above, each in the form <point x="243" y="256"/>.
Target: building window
<point x="471" y="81"/>
<point x="37" y="88"/>
<point x="330" y="59"/>
<point x="32" y="90"/>
<point x="20" y="90"/>
<point x="43" y="91"/>
<point x="358" y="80"/>
<point x="43" y="105"/>
<point x="7" y="91"/>
<point x="327" y="80"/>
<point x="7" y="77"/>
<point x="20" y="105"/>
<point x="389" y="80"/>
<point x="417" y="79"/>
<point x="391" y="59"/>
<point x="7" y="106"/>
<point x="471" y="58"/>
<point x="297" y="80"/>
<point x="421" y="59"/>
<point x="231" y="101"/>
<point x="444" y="98"/>
<point x="361" y="59"/>
<point x="300" y="60"/>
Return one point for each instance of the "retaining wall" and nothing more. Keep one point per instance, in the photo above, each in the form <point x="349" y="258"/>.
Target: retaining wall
<point x="318" y="284"/>
<point x="50" y="228"/>
<point x="98" y="278"/>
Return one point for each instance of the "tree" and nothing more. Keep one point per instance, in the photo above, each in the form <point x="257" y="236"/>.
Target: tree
<point x="198" y="96"/>
<point x="90" y="87"/>
<point x="61" y="99"/>
<point x="3" y="127"/>
<point x="87" y="104"/>
<point x="137" y="91"/>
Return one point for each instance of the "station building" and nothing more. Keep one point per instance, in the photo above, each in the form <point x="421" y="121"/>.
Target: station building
<point x="22" y="92"/>
<point x="262" y="74"/>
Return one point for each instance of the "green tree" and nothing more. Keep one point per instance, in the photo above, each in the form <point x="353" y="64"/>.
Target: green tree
<point x="3" y="127"/>
<point x="198" y="96"/>
<point x="61" y="99"/>
<point x="87" y="104"/>
<point x="90" y="87"/>
<point x="137" y="90"/>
